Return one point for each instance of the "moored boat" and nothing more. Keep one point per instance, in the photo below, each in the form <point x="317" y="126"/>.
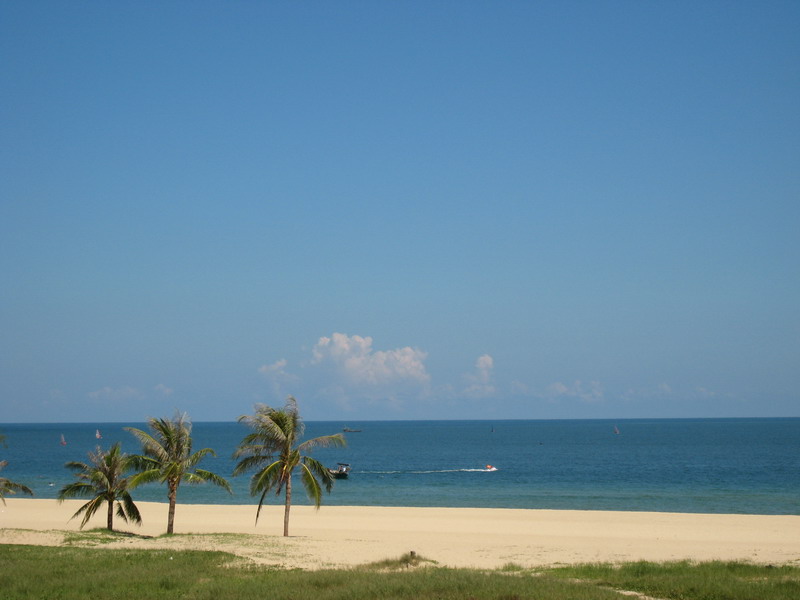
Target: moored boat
<point x="340" y="472"/>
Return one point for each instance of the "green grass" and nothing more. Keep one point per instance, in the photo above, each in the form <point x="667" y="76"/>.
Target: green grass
<point x="406" y="561"/>
<point x="77" y="573"/>
<point x="704" y="581"/>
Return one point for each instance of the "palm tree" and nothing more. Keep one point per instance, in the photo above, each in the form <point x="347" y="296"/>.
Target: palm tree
<point x="11" y="487"/>
<point x="271" y="449"/>
<point x="167" y="458"/>
<point x="103" y="479"/>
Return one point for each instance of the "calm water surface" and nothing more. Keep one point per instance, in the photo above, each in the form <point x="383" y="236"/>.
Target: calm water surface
<point x="668" y="465"/>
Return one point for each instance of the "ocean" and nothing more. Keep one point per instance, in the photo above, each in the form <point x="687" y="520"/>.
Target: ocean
<point x="748" y="466"/>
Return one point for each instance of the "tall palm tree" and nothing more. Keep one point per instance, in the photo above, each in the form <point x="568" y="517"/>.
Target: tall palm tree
<point x="11" y="487"/>
<point x="103" y="479"/>
<point x="167" y="457"/>
<point x="272" y="450"/>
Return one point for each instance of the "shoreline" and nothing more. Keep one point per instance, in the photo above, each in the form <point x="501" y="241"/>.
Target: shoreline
<point x="346" y="536"/>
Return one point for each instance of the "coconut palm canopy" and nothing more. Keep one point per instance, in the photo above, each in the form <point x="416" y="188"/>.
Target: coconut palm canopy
<point x="103" y="479"/>
<point x="167" y="457"/>
<point x="273" y="450"/>
<point x="11" y="487"/>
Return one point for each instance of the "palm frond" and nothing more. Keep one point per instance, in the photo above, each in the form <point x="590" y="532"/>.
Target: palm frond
<point x="120" y="512"/>
<point x="89" y="509"/>
<point x="76" y="489"/>
<point x="127" y="509"/>
<point x="12" y="487"/>
<point x="325" y="441"/>
<point x="291" y="458"/>
<point x="261" y="503"/>
<point x="138" y="462"/>
<point x="251" y="440"/>
<point x="267" y="478"/>
<point x="311" y="485"/>
<point x="320" y="471"/>
<point x="251" y="462"/>
<point x="194" y="459"/>
<point x="268" y="426"/>
<point x="149" y="476"/>
<point x="76" y="466"/>
<point x="201" y="476"/>
<point x="151" y="447"/>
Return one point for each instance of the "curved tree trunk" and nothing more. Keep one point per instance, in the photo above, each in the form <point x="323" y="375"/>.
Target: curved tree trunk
<point x="110" y="518"/>
<point x="173" y="495"/>
<point x="288" y="506"/>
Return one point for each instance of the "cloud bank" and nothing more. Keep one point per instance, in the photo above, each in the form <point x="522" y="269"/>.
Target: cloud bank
<point x="354" y="359"/>
<point x="479" y="383"/>
<point x="587" y="392"/>
<point x="346" y="370"/>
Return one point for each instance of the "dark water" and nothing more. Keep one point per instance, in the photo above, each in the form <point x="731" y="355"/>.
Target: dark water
<point x="668" y="465"/>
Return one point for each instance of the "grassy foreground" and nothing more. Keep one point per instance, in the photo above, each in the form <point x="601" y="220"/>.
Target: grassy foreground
<point x="73" y="573"/>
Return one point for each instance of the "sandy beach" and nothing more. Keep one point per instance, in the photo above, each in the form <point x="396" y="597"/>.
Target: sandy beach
<point x="338" y="536"/>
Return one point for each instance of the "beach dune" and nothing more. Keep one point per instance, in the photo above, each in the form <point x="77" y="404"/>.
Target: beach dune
<point x="341" y="536"/>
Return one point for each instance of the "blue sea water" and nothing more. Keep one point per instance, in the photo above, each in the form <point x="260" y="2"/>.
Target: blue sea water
<point x="666" y="465"/>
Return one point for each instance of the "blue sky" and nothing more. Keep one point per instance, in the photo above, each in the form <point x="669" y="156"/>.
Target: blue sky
<point x="399" y="210"/>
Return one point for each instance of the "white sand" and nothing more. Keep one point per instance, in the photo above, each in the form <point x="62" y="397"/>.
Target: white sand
<point x="458" y="537"/>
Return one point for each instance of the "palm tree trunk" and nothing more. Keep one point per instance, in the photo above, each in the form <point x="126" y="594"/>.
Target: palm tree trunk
<point x="288" y="506"/>
<point x="110" y="519"/>
<point x="173" y="495"/>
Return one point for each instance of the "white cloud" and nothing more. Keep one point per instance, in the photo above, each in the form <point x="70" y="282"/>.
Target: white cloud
<point x="275" y="369"/>
<point x="346" y="371"/>
<point x="479" y="383"/>
<point x="661" y="392"/>
<point x="586" y="392"/>
<point x="279" y="378"/>
<point x="354" y="359"/>
<point x="557" y="389"/>
<point x="163" y="389"/>
<point x="704" y="392"/>
<point x="484" y="366"/>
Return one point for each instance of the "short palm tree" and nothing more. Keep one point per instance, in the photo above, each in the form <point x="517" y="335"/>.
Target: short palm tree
<point x="11" y="487"/>
<point x="103" y="480"/>
<point x="272" y="450"/>
<point x="167" y="457"/>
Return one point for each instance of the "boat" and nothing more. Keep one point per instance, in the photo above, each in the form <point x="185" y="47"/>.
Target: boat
<point x="340" y="472"/>
<point x="616" y="430"/>
<point x="491" y="468"/>
<point x="63" y="441"/>
<point x="348" y="430"/>
<point x="97" y="434"/>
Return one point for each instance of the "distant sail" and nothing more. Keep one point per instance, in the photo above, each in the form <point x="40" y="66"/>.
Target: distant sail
<point x="97" y="434"/>
<point x="63" y="441"/>
<point x="616" y="430"/>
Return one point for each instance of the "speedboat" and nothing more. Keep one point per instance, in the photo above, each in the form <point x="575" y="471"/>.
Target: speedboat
<point x="340" y="472"/>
